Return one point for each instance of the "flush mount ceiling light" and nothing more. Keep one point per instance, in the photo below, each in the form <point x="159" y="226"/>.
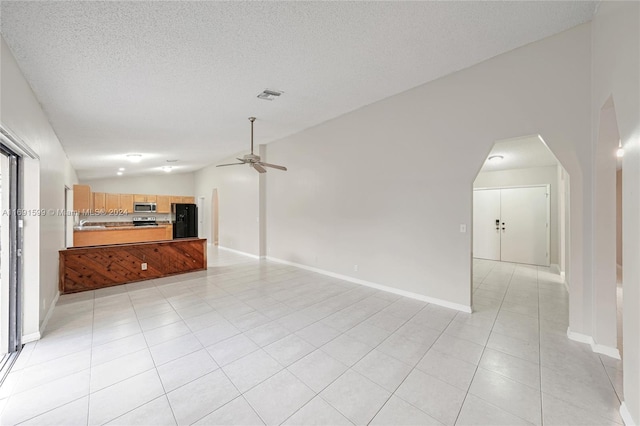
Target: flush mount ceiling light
<point x="269" y="95"/>
<point x="166" y="169"/>
<point x="620" y="151"/>
<point x="134" y="158"/>
<point x="119" y="173"/>
<point x="496" y="158"/>
<point x="121" y="169"/>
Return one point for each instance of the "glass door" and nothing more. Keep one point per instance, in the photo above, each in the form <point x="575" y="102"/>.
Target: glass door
<point x="10" y="219"/>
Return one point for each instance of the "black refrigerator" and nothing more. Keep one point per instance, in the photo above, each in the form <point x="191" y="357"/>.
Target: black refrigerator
<point x="185" y="220"/>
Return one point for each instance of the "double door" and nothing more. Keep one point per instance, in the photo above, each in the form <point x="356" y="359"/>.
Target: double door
<point x="512" y="224"/>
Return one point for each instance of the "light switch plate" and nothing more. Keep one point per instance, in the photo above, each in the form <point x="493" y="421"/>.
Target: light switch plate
<point x="463" y="228"/>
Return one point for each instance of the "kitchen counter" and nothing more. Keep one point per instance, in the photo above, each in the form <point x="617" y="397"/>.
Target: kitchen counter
<point x="97" y="235"/>
<point x="87" y="228"/>
<point x="90" y="268"/>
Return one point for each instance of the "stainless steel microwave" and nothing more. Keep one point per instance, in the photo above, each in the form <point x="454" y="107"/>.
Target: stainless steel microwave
<point x="144" y="207"/>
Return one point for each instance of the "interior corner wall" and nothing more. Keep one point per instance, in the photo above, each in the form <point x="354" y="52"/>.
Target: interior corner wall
<point x="238" y="205"/>
<point x="161" y="184"/>
<point x="44" y="187"/>
<point x="527" y="177"/>
<point x="615" y="71"/>
<point x="619" y="218"/>
<point x="386" y="187"/>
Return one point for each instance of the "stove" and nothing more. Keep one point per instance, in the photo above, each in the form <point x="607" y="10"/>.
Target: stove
<point x="144" y="221"/>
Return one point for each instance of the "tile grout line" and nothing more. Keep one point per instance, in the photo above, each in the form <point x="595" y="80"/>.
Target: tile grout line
<point x="485" y="345"/>
<point x="350" y="367"/>
<point x="539" y="350"/>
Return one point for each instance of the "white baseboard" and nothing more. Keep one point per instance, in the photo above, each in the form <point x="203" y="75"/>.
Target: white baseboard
<point x="49" y="313"/>
<point x="626" y="415"/>
<point x="555" y="268"/>
<point x="253" y="256"/>
<point x="388" y="289"/>
<point x="28" y="338"/>
<point x="595" y="347"/>
<point x="37" y="335"/>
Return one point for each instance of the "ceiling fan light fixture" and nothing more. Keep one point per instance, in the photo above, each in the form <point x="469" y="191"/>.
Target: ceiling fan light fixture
<point x="495" y="158"/>
<point x="253" y="160"/>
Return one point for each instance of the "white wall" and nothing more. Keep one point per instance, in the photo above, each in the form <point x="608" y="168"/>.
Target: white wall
<point x="619" y="218"/>
<point x="387" y="186"/>
<point x="164" y="184"/>
<point x="615" y="70"/>
<point x="238" y="197"/>
<point x="524" y="177"/>
<point x="44" y="183"/>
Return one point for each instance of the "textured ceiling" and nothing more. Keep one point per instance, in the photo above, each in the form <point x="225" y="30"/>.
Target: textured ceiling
<point x="177" y="80"/>
<point x="520" y="153"/>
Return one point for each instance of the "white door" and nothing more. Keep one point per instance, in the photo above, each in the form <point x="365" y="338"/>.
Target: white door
<point x="486" y="234"/>
<point x="521" y="234"/>
<point x="524" y="225"/>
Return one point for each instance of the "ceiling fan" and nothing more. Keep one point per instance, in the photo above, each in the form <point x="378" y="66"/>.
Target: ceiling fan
<point x="254" y="160"/>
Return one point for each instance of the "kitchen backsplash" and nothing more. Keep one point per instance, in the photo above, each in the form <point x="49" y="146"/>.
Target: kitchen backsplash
<point x="160" y="217"/>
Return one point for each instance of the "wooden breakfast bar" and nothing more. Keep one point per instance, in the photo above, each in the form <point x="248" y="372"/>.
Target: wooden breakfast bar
<point x="91" y="268"/>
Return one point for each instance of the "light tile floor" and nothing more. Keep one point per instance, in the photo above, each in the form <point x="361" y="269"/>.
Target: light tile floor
<point x="252" y="342"/>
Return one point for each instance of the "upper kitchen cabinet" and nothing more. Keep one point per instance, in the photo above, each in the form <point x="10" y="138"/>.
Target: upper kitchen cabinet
<point x="119" y="203"/>
<point x="81" y="198"/>
<point x="126" y="203"/>
<point x="163" y="203"/>
<point x="112" y="202"/>
<point x="181" y="199"/>
<point x="143" y="198"/>
<point x="99" y="201"/>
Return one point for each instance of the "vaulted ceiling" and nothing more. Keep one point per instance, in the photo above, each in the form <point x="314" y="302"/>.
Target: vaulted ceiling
<point x="177" y="80"/>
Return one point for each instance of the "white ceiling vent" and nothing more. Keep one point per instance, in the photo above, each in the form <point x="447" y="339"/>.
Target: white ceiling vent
<point x="269" y="95"/>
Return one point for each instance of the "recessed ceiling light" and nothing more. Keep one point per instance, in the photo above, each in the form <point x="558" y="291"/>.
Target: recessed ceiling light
<point x="121" y="169"/>
<point x="166" y="168"/>
<point x="496" y="158"/>
<point x="119" y="173"/>
<point x="134" y="158"/>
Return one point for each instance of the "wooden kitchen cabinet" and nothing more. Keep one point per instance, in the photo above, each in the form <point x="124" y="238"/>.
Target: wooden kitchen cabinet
<point x="126" y="203"/>
<point x="82" y="198"/>
<point x="117" y="204"/>
<point x="99" y="202"/>
<point x="183" y="199"/>
<point x="112" y="202"/>
<point x="164" y="203"/>
<point x="144" y="198"/>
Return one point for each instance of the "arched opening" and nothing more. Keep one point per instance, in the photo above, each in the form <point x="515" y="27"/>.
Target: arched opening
<point x="607" y="251"/>
<point x="520" y="243"/>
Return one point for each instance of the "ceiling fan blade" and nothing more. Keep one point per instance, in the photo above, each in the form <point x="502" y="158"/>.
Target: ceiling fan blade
<point x="232" y="164"/>
<point x="273" y="166"/>
<point x="258" y="167"/>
